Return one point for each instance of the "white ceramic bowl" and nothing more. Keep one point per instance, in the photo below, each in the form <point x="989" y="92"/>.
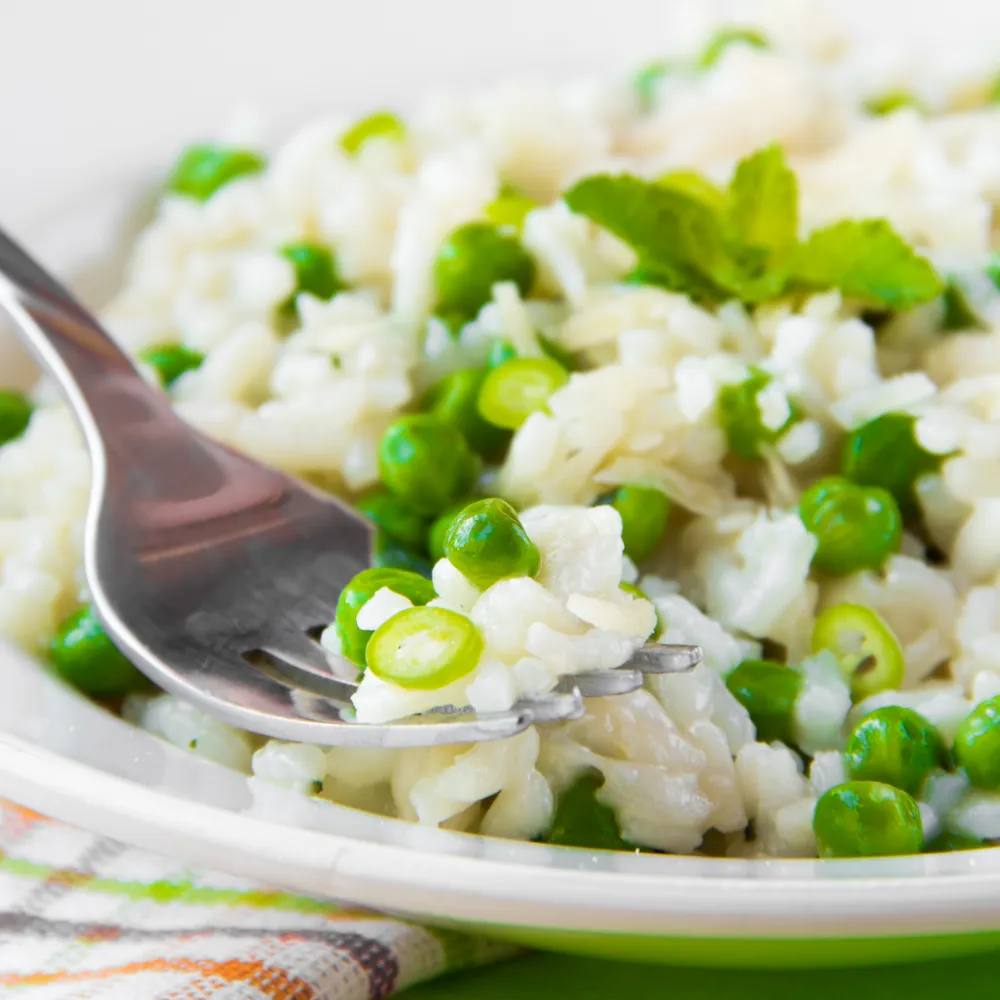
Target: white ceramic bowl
<point x="93" y="111"/>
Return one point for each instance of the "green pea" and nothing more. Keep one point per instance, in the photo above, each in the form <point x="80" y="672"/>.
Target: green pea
<point x="768" y="691"/>
<point x="487" y="543"/>
<point x="15" y="415"/>
<point x="472" y="260"/>
<point x="422" y="649"/>
<point x="892" y="100"/>
<point x="856" y="527"/>
<point x="993" y="267"/>
<point x="171" y="361"/>
<point x="644" y="512"/>
<point x="439" y="529"/>
<point x="518" y="388"/>
<point x="360" y="590"/>
<point x="203" y="169"/>
<point x="380" y="123"/>
<point x="896" y="746"/>
<point x="884" y="452"/>
<point x="510" y="210"/>
<point x="581" y="820"/>
<point x="394" y="516"/>
<point x="390" y="553"/>
<point x="315" y="271"/>
<point x="425" y="460"/>
<point x="731" y="36"/>
<point x="739" y="414"/>
<point x="647" y="81"/>
<point x="83" y="655"/>
<point x="455" y="400"/>
<point x="994" y="94"/>
<point x="977" y="744"/>
<point x="865" y="819"/>
<point x="959" y="312"/>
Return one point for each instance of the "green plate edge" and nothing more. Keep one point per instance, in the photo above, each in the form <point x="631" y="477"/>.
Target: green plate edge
<point x="748" y="953"/>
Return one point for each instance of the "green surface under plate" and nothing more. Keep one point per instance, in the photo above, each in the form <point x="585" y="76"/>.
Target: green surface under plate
<point x="551" y="977"/>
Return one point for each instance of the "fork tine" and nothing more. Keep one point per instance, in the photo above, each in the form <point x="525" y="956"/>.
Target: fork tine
<point x="603" y="683"/>
<point x="300" y="660"/>
<point x="653" y="658"/>
<point x="562" y="705"/>
<point x="324" y="685"/>
<point x="661" y="658"/>
<point x="302" y="651"/>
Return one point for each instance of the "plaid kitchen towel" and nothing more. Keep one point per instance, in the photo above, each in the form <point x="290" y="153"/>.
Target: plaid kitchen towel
<point x="87" y="918"/>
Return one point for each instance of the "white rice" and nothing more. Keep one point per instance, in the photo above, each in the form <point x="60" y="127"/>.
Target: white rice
<point x="680" y="758"/>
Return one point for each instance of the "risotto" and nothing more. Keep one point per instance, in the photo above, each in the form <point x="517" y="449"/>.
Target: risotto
<point x="711" y="356"/>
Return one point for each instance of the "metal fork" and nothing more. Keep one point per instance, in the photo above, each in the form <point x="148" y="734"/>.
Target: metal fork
<point x="213" y="572"/>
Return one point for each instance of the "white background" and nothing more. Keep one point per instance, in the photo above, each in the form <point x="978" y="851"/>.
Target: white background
<point x="93" y="90"/>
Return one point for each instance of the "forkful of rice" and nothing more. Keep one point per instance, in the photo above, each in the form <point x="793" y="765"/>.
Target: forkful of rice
<point x="253" y="596"/>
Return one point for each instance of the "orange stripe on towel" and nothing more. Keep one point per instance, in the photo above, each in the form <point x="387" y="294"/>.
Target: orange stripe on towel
<point x="273" y="983"/>
<point x="17" y="820"/>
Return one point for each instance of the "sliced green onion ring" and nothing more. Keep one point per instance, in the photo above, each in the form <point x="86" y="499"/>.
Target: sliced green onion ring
<point x="519" y="387"/>
<point x="422" y="649"/>
<point x="865" y="645"/>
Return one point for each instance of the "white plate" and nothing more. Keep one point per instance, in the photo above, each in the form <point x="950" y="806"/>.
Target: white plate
<point x="113" y="94"/>
<point x="62" y="755"/>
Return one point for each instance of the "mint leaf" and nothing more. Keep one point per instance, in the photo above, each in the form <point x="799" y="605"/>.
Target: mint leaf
<point x="868" y="261"/>
<point x="764" y="198"/>
<point x="669" y="230"/>
<point x="759" y="275"/>
<point x="699" y="187"/>
<point x="731" y="36"/>
<point x="683" y="243"/>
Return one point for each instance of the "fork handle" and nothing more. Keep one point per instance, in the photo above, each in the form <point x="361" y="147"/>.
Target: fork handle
<point x="150" y="469"/>
<point x="98" y="379"/>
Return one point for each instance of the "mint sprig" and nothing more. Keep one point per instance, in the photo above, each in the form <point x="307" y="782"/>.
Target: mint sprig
<point x="745" y="245"/>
